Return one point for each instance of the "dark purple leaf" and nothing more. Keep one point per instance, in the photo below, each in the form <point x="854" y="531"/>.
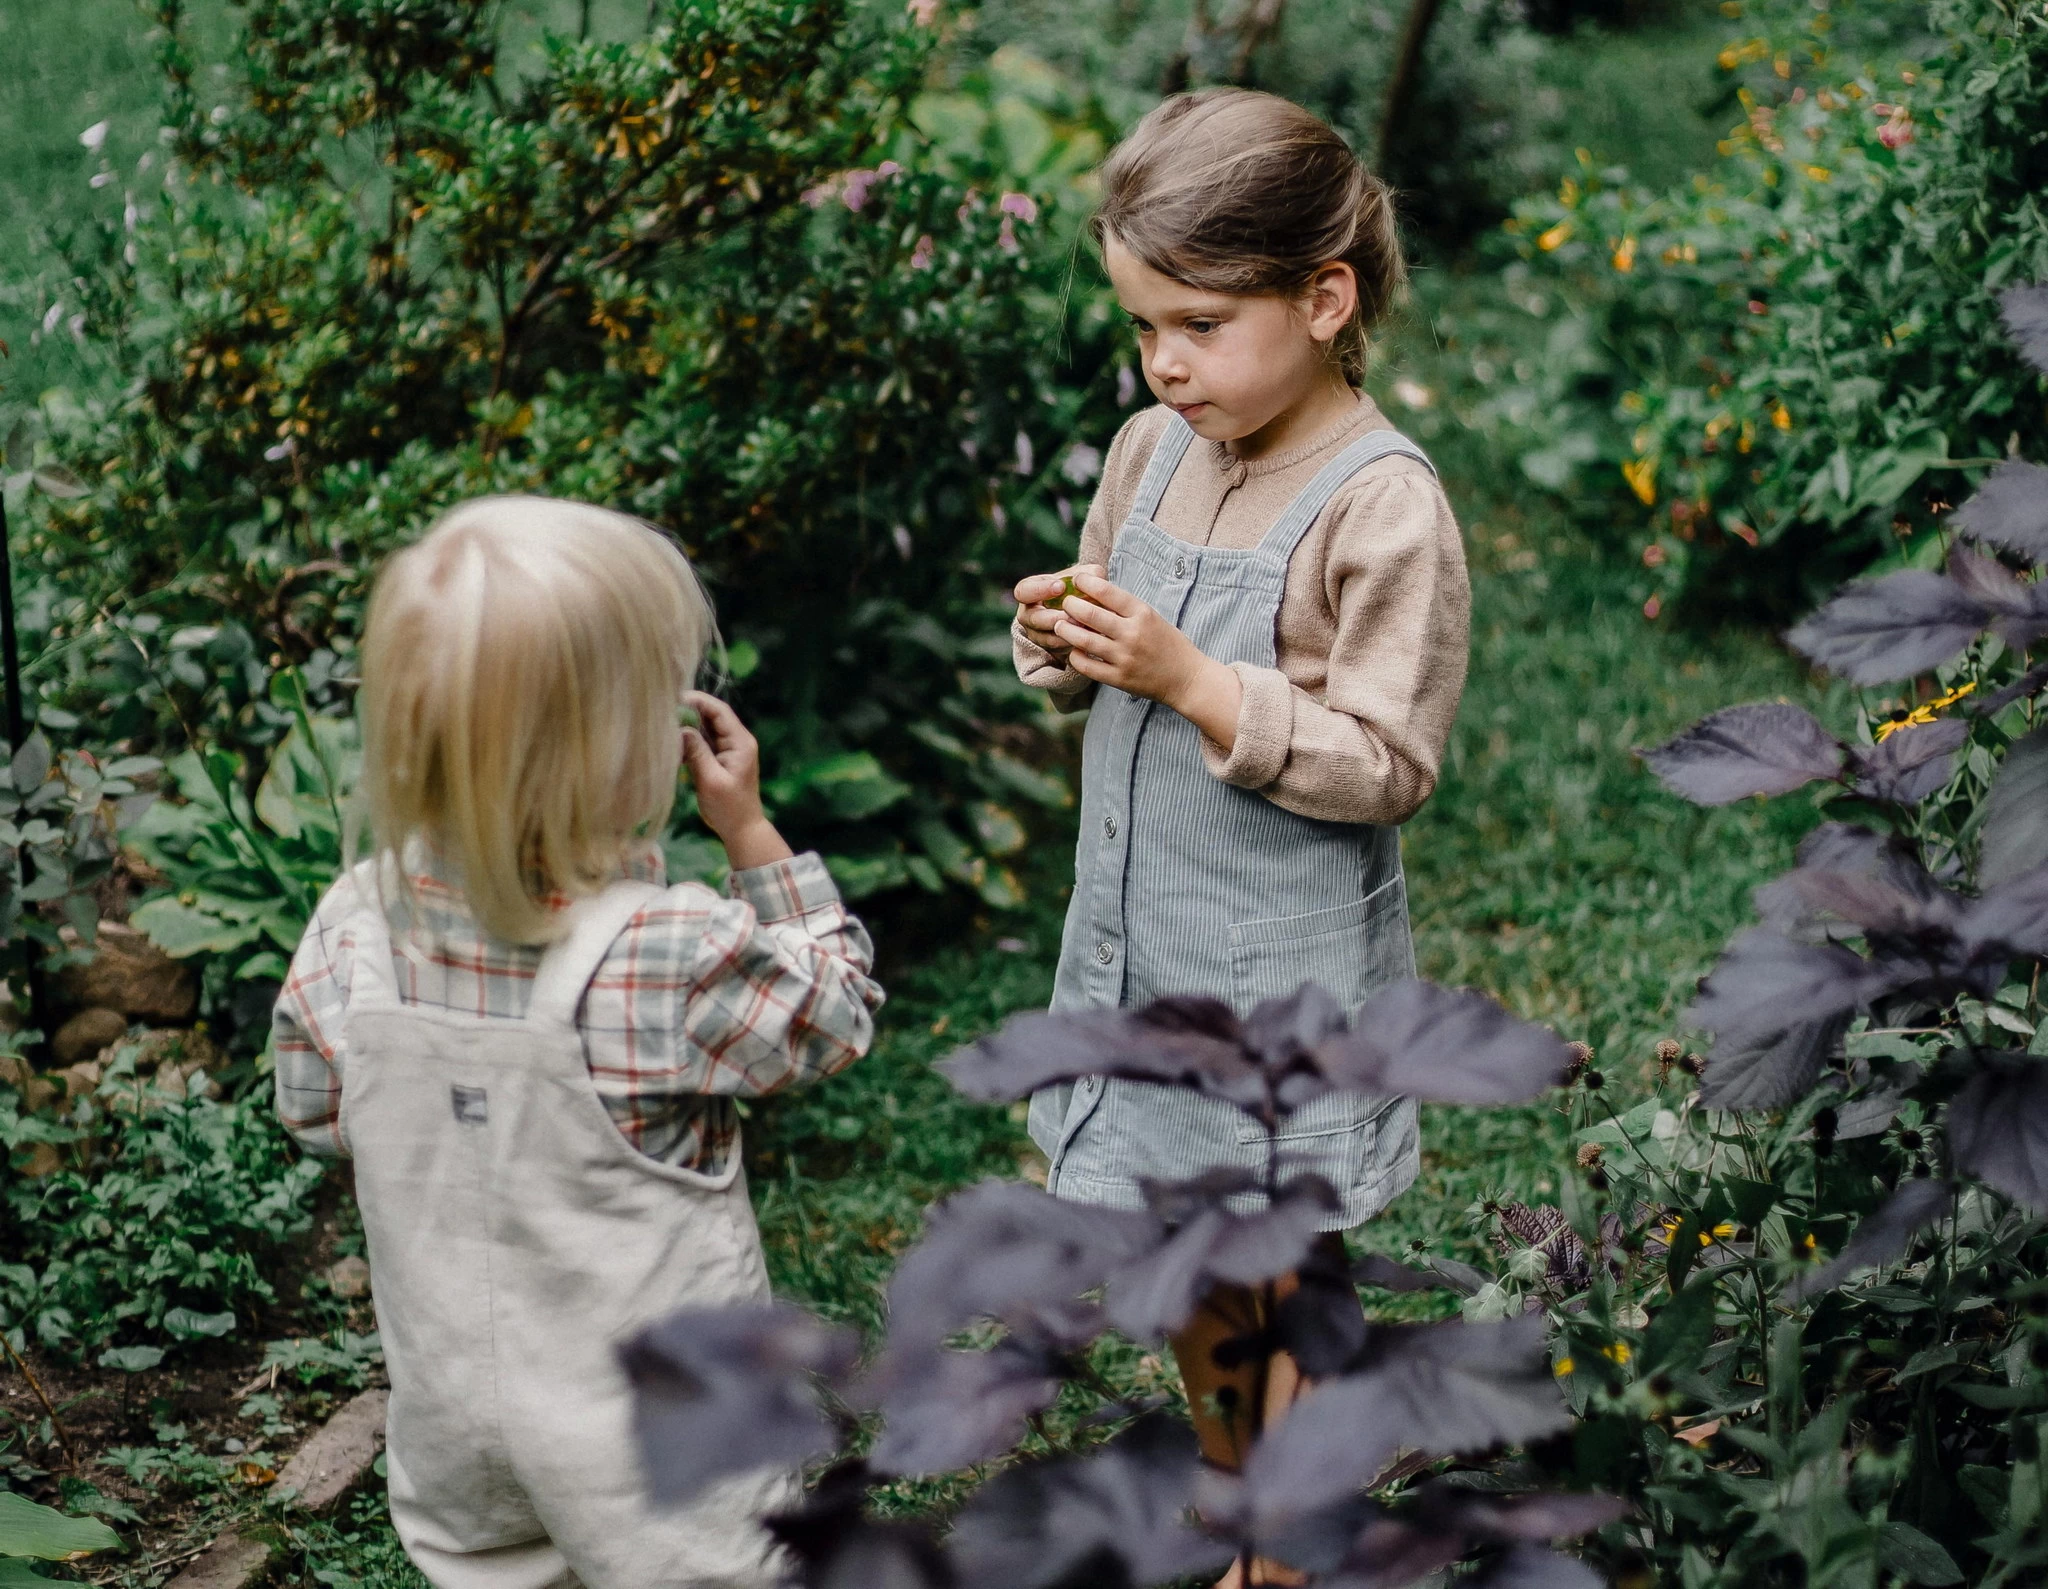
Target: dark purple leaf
<point x="1911" y="763"/>
<point x="1998" y="1128"/>
<point x="1320" y="1322"/>
<point x="1360" y="1545"/>
<point x="944" y="1410"/>
<point x="2011" y="919"/>
<point x="1210" y="1245"/>
<point x="1417" y="1040"/>
<point x="719" y="1391"/>
<point x="1011" y="1252"/>
<point x="1532" y="1519"/>
<point x="1532" y="1567"/>
<point x="1181" y="1042"/>
<point x="1765" y="749"/>
<point x="1882" y="1238"/>
<point x="1891" y="628"/>
<point x="1284" y="1032"/>
<point x="1118" y="1517"/>
<point x="1389" y="1553"/>
<point x="2016" y="812"/>
<point x="834" y="1546"/>
<point x="2025" y="313"/>
<point x="1443" y="1388"/>
<point x="2010" y="510"/>
<point x="1765" y="984"/>
<point x="2031" y="682"/>
<point x="1987" y="579"/>
<point x="1772" y="1070"/>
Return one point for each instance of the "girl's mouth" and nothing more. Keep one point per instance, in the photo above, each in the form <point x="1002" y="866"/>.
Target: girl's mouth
<point x="1189" y="410"/>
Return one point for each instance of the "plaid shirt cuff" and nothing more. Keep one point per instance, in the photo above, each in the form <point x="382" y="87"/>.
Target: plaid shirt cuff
<point x="786" y="890"/>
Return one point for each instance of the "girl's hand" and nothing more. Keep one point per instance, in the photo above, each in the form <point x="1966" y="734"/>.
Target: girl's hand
<point x="724" y="762"/>
<point x="1040" y="621"/>
<point x="1116" y="639"/>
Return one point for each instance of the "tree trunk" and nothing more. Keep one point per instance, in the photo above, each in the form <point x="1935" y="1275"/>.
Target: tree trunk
<point x="1215" y="51"/>
<point x="1407" y="78"/>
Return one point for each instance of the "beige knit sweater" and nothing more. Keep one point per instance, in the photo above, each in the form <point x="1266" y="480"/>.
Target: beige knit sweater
<point x="1350" y="727"/>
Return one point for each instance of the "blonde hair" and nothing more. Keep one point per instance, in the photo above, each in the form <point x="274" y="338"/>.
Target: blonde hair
<point x="523" y="667"/>
<point x="1235" y="191"/>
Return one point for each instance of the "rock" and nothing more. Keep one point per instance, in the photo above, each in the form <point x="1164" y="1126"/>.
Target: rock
<point x="130" y="974"/>
<point x="230" y="1562"/>
<point x="39" y="1092"/>
<point x="87" y="1032"/>
<point x="43" y="1159"/>
<point x="80" y="1081"/>
<point x="175" y="1049"/>
<point x="350" y="1278"/>
<point x="14" y="1071"/>
<point x="338" y="1457"/>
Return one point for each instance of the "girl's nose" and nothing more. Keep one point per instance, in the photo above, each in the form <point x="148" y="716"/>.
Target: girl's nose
<point x="1167" y="365"/>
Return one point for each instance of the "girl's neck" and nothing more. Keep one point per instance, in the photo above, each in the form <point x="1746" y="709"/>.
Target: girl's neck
<point x="1321" y="407"/>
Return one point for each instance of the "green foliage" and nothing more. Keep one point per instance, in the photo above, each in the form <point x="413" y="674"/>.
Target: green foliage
<point x="1792" y="359"/>
<point x="714" y="274"/>
<point x="162" y="1221"/>
<point x="29" y="1532"/>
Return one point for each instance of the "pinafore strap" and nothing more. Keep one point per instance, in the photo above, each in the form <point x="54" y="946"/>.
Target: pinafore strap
<point x="1287" y="531"/>
<point x="1166" y="457"/>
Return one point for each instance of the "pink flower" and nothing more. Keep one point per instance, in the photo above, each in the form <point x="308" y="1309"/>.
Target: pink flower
<point x="855" y="194"/>
<point x="1021" y="205"/>
<point x="1006" y="239"/>
<point x="821" y="195"/>
<point x="888" y="168"/>
<point x="921" y="255"/>
<point x="1898" y="131"/>
<point x="923" y="12"/>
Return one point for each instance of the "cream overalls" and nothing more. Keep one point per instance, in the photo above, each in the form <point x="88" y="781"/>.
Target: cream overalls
<point x="1186" y="884"/>
<point x="515" y="1237"/>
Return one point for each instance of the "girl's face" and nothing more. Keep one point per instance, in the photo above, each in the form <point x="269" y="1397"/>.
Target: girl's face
<point x="1252" y="369"/>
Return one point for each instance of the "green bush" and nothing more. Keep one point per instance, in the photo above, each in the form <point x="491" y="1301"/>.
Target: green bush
<point x="717" y="275"/>
<point x="1792" y="361"/>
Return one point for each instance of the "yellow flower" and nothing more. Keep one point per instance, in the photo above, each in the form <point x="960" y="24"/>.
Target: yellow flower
<point x="1781" y="416"/>
<point x="1641" y="475"/>
<point x="1556" y="237"/>
<point x="1924" y="713"/>
<point x="1568" y="193"/>
<point x="1564" y="1366"/>
<point x="1625" y="255"/>
<point x="1617" y="1353"/>
<point x="1720" y="1232"/>
<point x="1820" y="173"/>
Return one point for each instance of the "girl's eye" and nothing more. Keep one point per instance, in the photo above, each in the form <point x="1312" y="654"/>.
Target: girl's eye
<point x="1142" y="327"/>
<point x="1202" y="328"/>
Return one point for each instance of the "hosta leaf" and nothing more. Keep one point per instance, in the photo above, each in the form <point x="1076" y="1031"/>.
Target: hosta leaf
<point x="132" y="1359"/>
<point x="1998" y="1128"/>
<point x="1882" y="1238"/>
<point x="2025" y="313"/>
<point x="1891" y="628"/>
<point x="188" y="1325"/>
<point x="1764" y="749"/>
<point x="1772" y="1070"/>
<point x="1441" y="1388"/>
<point x="719" y="1391"/>
<point x="1911" y="763"/>
<point x="2010" y="509"/>
<point x="1417" y="1040"/>
<point x="16" y="1573"/>
<point x="1119" y="1515"/>
<point x="2015" y="834"/>
<point x="45" y="1534"/>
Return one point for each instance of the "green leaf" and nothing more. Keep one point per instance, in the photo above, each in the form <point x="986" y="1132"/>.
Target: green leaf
<point x="132" y="1359"/>
<point x="182" y="930"/>
<point x="187" y="1325"/>
<point x="15" y="454"/>
<point x="1903" y="1549"/>
<point x="31" y="764"/>
<point x="57" y="481"/>
<point x="18" y="1574"/>
<point x="45" y="1533"/>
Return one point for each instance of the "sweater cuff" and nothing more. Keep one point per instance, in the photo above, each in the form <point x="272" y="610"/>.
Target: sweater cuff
<point x="1265" y="730"/>
<point x="1036" y="667"/>
<point x="786" y="890"/>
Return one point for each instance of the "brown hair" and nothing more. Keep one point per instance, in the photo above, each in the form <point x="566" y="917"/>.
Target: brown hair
<point x="1241" y="192"/>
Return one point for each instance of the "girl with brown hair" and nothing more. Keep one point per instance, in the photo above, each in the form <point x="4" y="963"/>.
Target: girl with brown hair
<point x="1268" y="621"/>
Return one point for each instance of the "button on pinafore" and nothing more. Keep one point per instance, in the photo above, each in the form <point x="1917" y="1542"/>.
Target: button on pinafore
<point x="1187" y="884"/>
<point x="514" y="1238"/>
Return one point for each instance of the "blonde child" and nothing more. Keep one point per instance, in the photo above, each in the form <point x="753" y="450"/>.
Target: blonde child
<point x="530" y="1046"/>
<point x="1268" y="619"/>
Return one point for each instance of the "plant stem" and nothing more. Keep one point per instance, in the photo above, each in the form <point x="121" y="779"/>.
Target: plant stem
<point x="10" y="645"/>
<point x="56" y="1424"/>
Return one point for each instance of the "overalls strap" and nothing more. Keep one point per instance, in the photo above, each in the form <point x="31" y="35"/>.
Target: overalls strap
<point x="1166" y="457"/>
<point x="594" y="925"/>
<point x="1305" y="509"/>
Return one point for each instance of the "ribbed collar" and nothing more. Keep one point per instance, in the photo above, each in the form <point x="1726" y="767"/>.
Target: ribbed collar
<point x="1332" y="439"/>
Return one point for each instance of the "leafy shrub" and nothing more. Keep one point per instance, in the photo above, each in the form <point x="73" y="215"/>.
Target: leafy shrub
<point x="1017" y="1274"/>
<point x="1791" y="360"/>
<point x="713" y="275"/>
<point x="160" y="1222"/>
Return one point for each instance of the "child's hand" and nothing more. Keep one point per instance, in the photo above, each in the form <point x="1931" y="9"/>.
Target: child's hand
<point x="1040" y="621"/>
<point x="1116" y="639"/>
<point x="725" y="766"/>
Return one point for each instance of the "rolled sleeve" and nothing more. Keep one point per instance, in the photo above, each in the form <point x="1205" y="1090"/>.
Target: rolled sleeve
<point x="786" y="890"/>
<point x="1265" y="730"/>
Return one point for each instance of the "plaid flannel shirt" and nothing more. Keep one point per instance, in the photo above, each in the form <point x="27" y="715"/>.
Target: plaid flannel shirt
<point x="701" y="1000"/>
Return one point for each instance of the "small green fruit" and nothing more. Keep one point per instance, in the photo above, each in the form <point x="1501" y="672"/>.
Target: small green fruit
<point x="1059" y="602"/>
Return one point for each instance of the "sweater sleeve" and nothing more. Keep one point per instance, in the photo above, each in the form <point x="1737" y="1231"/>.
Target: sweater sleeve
<point x="1121" y="473"/>
<point x="1370" y="749"/>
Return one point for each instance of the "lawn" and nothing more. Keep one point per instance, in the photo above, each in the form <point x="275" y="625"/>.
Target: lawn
<point x="1549" y="870"/>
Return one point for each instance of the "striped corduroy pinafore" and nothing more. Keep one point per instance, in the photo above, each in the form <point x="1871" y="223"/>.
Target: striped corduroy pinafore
<point x="1186" y="884"/>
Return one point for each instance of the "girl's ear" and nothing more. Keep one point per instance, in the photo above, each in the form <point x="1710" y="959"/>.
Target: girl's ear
<point x="1331" y="301"/>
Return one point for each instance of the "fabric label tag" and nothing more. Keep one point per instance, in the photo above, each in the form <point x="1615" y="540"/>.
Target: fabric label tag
<point x="472" y="1105"/>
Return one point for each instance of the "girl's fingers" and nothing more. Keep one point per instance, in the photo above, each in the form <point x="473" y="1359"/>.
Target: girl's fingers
<point x="721" y="723"/>
<point x="1101" y="592"/>
<point x="1101" y="619"/>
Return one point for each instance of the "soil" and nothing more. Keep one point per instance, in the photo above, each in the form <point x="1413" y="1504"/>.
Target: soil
<point x="201" y="1388"/>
